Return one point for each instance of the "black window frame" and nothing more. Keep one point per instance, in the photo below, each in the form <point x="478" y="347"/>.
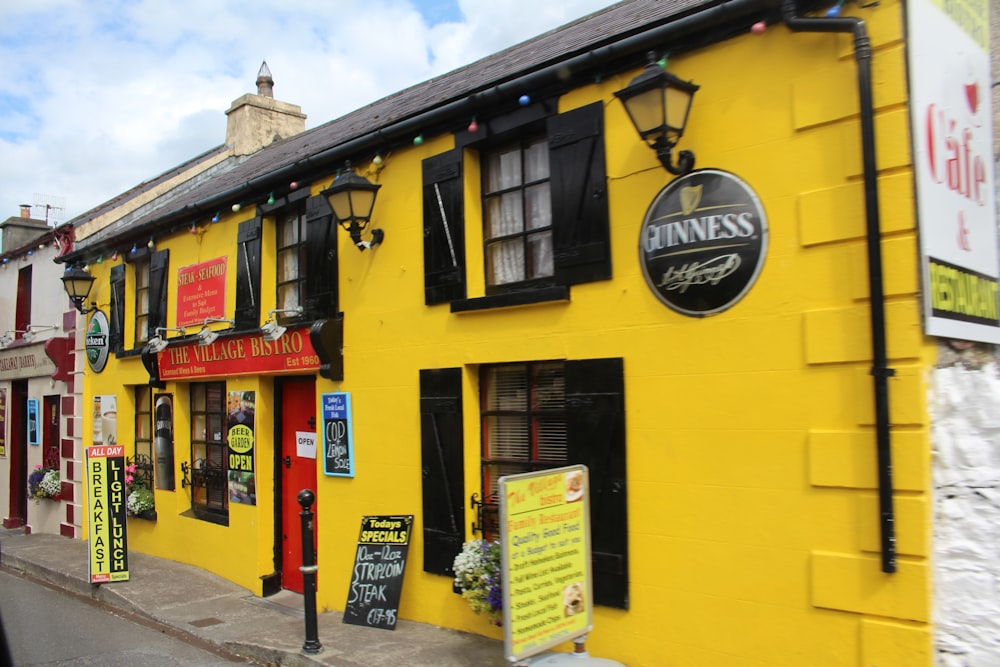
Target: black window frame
<point x="594" y="404"/>
<point x="581" y="242"/>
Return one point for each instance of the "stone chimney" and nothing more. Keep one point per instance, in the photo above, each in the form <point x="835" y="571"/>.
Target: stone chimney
<point x="256" y="121"/>
<point x="16" y="232"/>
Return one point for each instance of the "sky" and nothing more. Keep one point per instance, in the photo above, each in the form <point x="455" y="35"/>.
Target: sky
<point x="101" y="95"/>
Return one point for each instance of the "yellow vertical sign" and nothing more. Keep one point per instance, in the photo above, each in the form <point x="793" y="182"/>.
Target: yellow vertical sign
<point x="106" y="502"/>
<point x="545" y="524"/>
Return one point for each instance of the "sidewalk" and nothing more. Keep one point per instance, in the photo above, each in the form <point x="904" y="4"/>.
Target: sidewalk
<point x="269" y="630"/>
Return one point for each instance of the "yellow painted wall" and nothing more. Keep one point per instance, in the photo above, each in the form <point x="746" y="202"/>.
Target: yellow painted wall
<point x="751" y="454"/>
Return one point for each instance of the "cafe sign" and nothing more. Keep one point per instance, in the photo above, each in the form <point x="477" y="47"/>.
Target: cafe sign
<point x="703" y="242"/>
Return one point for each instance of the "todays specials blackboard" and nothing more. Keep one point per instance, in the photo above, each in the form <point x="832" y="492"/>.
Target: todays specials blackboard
<point x="377" y="578"/>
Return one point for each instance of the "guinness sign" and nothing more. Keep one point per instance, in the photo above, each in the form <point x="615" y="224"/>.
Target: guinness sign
<point x="97" y="342"/>
<point x="703" y="242"/>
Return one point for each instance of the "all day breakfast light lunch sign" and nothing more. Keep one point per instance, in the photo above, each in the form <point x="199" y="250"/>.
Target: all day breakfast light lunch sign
<point x="545" y="519"/>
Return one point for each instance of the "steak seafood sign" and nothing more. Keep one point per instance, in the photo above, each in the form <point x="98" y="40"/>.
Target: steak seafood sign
<point x="703" y="242"/>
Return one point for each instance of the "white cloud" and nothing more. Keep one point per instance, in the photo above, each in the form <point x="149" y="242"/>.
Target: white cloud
<point x="103" y="94"/>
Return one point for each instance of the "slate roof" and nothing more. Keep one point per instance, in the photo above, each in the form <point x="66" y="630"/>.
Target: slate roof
<point x="607" y="41"/>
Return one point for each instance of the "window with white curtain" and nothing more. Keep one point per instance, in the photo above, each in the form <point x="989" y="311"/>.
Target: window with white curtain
<point x="517" y="213"/>
<point x="291" y="258"/>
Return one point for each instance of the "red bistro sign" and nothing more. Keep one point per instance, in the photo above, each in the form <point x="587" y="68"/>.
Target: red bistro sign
<point x="244" y="355"/>
<point x="201" y="290"/>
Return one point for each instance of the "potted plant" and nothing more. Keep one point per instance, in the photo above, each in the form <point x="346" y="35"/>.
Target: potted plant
<point x="44" y="483"/>
<point x="478" y="578"/>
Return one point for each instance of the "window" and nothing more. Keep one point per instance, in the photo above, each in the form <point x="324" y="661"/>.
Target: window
<point x="517" y="214"/>
<point x="545" y="211"/>
<point x="143" y="459"/>
<point x="141" y="300"/>
<point x="116" y="311"/>
<point x="291" y="258"/>
<point x="307" y="269"/>
<point x="150" y="293"/>
<point x="533" y="416"/>
<point x="209" y="499"/>
<point x="523" y="426"/>
<point x="22" y="310"/>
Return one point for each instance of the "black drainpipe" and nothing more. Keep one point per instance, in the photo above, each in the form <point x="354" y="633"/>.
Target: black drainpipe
<point x="880" y="369"/>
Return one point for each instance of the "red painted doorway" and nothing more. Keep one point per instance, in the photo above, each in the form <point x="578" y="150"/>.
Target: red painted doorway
<point x="17" y="445"/>
<point x="297" y="417"/>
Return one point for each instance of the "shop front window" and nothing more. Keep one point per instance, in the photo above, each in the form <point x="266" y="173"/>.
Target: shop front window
<point x="143" y="437"/>
<point x="209" y="498"/>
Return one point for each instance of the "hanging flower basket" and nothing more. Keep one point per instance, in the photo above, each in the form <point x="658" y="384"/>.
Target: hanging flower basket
<point x="43" y="483"/>
<point x="140" y="501"/>
<point x="478" y="578"/>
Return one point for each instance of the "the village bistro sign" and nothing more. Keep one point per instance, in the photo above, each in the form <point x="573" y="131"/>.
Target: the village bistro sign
<point x="703" y="242"/>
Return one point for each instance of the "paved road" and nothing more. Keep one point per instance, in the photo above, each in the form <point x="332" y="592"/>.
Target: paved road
<point x="52" y="628"/>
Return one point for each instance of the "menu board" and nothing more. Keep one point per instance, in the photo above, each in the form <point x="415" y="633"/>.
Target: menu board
<point x="338" y="435"/>
<point x="377" y="578"/>
<point x="545" y="523"/>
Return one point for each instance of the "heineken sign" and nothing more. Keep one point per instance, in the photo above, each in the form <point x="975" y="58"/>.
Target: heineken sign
<point x="97" y="342"/>
<point x="703" y="242"/>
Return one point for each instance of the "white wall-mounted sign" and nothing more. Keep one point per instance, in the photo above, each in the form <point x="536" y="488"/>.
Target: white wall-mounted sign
<point x="951" y="122"/>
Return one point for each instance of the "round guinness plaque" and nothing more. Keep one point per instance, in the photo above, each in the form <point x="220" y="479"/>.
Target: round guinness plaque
<point x="97" y="341"/>
<point x="703" y="242"/>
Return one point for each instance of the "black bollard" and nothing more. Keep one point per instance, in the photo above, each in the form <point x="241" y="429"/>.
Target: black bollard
<point x="306" y="499"/>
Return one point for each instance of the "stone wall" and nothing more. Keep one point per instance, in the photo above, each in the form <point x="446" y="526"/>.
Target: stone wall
<point x="965" y="404"/>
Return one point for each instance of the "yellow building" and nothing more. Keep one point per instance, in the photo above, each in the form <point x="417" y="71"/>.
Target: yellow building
<point x="736" y="353"/>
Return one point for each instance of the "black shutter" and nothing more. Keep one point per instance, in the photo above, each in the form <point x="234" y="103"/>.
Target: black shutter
<point x="595" y="428"/>
<point x="442" y="461"/>
<point x="444" y="228"/>
<point x="116" y="327"/>
<point x="248" y="238"/>
<point x="321" y="260"/>
<point x="159" y="263"/>
<point x="580" y="223"/>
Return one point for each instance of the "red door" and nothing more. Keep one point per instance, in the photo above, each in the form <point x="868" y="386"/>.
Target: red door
<point x="17" y="445"/>
<point x="297" y="416"/>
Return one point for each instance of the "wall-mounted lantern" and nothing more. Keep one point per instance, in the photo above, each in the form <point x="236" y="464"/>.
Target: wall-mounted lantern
<point x="658" y="103"/>
<point x="352" y="199"/>
<point x="77" y="284"/>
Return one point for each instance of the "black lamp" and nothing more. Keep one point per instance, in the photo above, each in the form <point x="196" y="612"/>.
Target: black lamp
<point x="658" y="103"/>
<point x="352" y="199"/>
<point x="77" y="284"/>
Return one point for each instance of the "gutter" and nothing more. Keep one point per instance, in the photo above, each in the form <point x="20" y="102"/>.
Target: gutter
<point x="713" y="24"/>
<point x="880" y="370"/>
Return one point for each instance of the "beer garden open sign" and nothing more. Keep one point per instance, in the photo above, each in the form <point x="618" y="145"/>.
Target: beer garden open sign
<point x="703" y="242"/>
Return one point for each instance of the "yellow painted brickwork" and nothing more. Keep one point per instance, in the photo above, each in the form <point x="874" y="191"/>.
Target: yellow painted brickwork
<point x="753" y="531"/>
